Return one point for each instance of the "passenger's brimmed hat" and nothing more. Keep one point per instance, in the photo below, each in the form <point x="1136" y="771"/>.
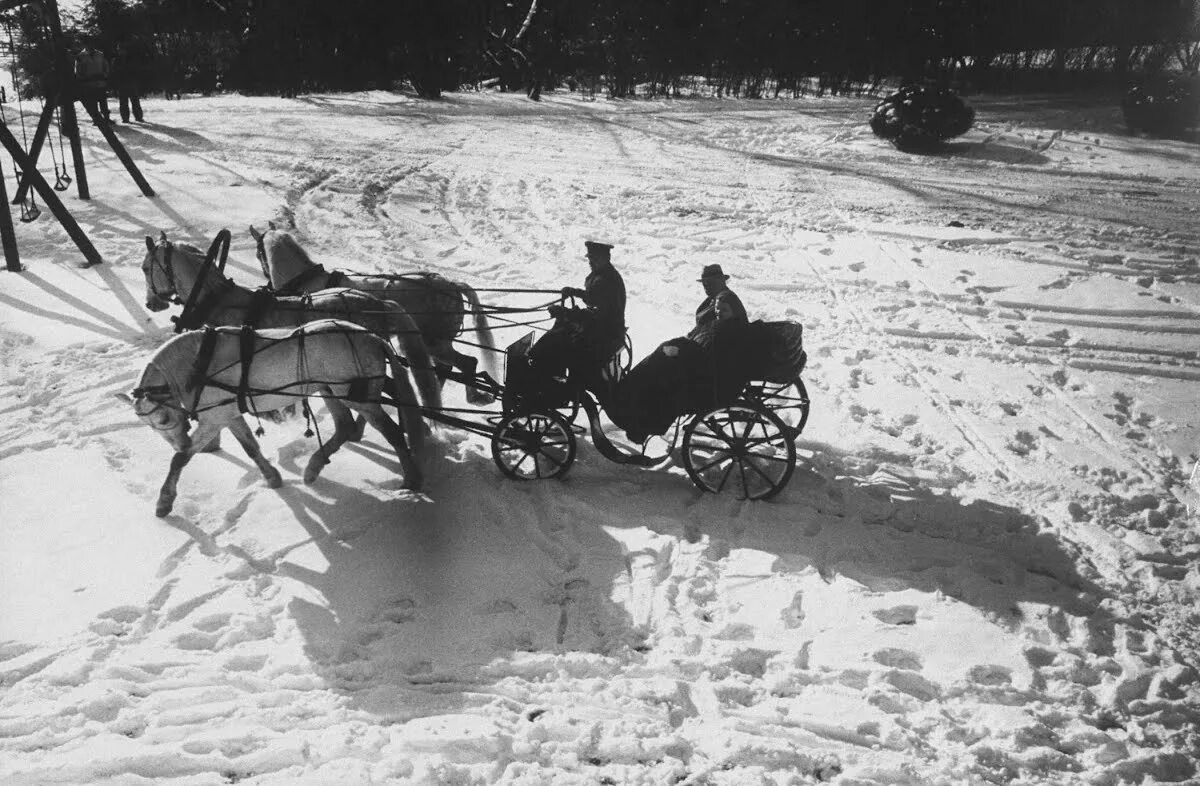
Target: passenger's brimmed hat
<point x="713" y="271"/>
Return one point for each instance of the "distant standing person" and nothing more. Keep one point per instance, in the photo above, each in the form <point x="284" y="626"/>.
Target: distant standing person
<point x="91" y="72"/>
<point x="128" y="72"/>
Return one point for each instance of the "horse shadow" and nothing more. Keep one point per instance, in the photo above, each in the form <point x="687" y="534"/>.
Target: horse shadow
<point x="404" y="590"/>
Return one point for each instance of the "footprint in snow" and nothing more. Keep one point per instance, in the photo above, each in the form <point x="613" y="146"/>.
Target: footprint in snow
<point x="896" y="658"/>
<point x="988" y="674"/>
<point x="857" y="267"/>
<point x="1022" y="443"/>
<point x="897" y="615"/>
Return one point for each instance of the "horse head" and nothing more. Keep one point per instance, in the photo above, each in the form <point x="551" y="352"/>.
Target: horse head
<point x="281" y="257"/>
<point x="156" y="405"/>
<point x="159" y="273"/>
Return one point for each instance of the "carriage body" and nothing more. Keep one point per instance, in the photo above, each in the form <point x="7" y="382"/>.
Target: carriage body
<point x="745" y="442"/>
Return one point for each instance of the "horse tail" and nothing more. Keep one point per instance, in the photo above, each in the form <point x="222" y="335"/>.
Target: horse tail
<point x="411" y="344"/>
<point x="483" y="331"/>
<point x="406" y="401"/>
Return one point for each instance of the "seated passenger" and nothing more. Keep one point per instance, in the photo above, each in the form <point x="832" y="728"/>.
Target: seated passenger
<point x="701" y="370"/>
<point x="720" y="305"/>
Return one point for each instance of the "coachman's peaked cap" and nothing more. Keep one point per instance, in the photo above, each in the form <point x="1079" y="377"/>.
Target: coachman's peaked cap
<point x="712" y="271"/>
<point x="596" y="245"/>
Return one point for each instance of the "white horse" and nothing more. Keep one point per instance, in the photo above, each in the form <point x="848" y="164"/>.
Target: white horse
<point x="179" y="273"/>
<point x="436" y="303"/>
<point x="215" y="375"/>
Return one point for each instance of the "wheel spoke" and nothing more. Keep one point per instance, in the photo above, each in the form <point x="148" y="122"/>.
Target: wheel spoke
<point x="742" y="471"/>
<point x="713" y="463"/>
<point x="718" y="430"/>
<point x="762" y="474"/>
<point x="725" y="477"/>
<point x="769" y="457"/>
<point x="750" y="424"/>
<point x="767" y="440"/>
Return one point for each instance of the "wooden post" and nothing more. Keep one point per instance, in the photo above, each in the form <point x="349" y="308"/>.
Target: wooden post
<point x="35" y="148"/>
<point x="66" y="97"/>
<point x="122" y="153"/>
<point x="8" y="236"/>
<point x="48" y="196"/>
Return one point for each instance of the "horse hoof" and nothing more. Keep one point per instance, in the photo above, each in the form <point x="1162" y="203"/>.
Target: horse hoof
<point x="274" y="481"/>
<point x="163" y="509"/>
<point x="310" y="476"/>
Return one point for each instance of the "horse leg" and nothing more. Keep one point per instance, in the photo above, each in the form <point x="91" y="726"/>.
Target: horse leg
<point x="468" y="365"/>
<point x="245" y="436"/>
<point x="206" y="434"/>
<point x="343" y="423"/>
<point x="166" y="495"/>
<point x="413" y="479"/>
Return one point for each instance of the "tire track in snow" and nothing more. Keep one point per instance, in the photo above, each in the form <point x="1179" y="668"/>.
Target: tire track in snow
<point x="1089" y="424"/>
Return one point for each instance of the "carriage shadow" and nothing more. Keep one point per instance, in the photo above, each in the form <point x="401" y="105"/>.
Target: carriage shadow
<point x="889" y="533"/>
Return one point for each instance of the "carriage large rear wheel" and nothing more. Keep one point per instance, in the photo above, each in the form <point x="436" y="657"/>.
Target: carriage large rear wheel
<point x="791" y="404"/>
<point x="533" y="446"/>
<point x="741" y="446"/>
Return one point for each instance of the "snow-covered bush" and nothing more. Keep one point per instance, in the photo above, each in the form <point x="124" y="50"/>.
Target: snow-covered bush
<point x="921" y="116"/>
<point x="1164" y="106"/>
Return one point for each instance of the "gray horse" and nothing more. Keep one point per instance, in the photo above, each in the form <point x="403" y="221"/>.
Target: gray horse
<point x="436" y="303"/>
<point x="215" y="375"/>
<point x="178" y="273"/>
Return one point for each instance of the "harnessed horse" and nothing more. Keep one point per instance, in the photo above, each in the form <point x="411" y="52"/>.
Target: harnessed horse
<point x="216" y="375"/>
<point x="436" y="303"/>
<point x="181" y="273"/>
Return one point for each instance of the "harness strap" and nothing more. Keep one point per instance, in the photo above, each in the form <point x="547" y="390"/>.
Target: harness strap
<point x="247" y="356"/>
<point x="262" y="299"/>
<point x="220" y="245"/>
<point x="199" y="374"/>
<point x="305" y="276"/>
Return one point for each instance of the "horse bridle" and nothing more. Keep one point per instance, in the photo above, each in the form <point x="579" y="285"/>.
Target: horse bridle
<point x="153" y="393"/>
<point x="260" y="253"/>
<point x="167" y="269"/>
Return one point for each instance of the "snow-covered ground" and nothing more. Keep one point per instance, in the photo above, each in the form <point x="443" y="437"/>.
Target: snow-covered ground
<point x="984" y="570"/>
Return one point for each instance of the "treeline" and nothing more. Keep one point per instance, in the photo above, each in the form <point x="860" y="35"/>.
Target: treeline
<point x="745" y="47"/>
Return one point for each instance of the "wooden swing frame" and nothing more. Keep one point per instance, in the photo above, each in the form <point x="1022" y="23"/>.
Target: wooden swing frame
<point x="65" y="98"/>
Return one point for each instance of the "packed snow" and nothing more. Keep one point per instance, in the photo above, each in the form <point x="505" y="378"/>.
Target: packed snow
<point x="983" y="571"/>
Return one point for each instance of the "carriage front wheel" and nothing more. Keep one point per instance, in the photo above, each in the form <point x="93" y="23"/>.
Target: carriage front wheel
<point x="739" y="446"/>
<point x="533" y="446"/>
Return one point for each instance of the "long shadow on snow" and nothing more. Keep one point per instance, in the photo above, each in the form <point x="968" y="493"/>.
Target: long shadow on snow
<point x="888" y="532"/>
<point x="427" y="600"/>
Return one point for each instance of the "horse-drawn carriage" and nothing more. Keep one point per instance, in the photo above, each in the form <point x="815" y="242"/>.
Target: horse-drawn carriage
<point x="738" y="426"/>
<point x="743" y="439"/>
